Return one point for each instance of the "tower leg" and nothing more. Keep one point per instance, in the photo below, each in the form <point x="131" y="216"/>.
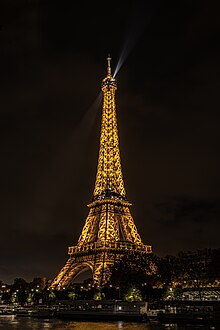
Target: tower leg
<point x="70" y="271"/>
<point x="102" y="273"/>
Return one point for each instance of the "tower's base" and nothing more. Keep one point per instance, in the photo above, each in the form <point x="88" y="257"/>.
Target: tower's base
<point x="99" y="258"/>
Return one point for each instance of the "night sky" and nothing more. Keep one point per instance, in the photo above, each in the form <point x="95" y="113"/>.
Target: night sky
<point x="52" y="60"/>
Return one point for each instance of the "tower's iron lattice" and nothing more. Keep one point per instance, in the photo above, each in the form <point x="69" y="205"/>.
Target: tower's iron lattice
<point x="109" y="232"/>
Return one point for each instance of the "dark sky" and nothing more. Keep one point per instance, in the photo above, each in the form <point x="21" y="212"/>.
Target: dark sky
<point x="52" y="60"/>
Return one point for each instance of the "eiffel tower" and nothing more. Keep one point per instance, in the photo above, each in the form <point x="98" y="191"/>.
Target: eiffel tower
<point x="109" y="232"/>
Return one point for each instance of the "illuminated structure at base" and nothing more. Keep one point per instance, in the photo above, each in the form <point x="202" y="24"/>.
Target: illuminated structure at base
<point x="109" y="232"/>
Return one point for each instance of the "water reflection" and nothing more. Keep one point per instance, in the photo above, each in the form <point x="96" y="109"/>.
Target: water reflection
<point x="26" y="323"/>
<point x="120" y="325"/>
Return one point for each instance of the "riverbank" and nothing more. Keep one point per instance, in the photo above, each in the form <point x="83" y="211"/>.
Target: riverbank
<point x="174" y="312"/>
<point x="192" y="312"/>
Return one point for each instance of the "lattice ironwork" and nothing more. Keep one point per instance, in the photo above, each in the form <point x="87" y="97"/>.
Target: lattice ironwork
<point x="109" y="231"/>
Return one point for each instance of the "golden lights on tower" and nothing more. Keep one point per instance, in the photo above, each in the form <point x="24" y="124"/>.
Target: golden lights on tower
<point x="109" y="232"/>
<point x="109" y="171"/>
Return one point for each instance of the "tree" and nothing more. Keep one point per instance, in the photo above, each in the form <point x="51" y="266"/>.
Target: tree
<point x="98" y="295"/>
<point x="133" y="270"/>
<point x="19" y="290"/>
<point x="133" y="294"/>
<point x="214" y="266"/>
<point x="52" y="296"/>
<point x="72" y="295"/>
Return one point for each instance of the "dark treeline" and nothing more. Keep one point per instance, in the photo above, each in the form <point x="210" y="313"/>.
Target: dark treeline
<point x="152" y="279"/>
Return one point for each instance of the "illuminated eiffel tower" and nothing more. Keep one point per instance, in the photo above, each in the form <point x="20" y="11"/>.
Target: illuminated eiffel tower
<point x="109" y="232"/>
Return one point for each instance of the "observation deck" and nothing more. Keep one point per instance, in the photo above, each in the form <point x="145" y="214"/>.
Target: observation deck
<point x="112" y="247"/>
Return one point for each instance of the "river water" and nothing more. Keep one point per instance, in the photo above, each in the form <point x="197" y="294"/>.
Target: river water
<point x="25" y="323"/>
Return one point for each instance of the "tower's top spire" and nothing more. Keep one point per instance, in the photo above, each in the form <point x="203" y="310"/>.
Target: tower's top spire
<point x="109" y="66"/>
<point x="109" y="179"/>
<point x="109" y="80"/>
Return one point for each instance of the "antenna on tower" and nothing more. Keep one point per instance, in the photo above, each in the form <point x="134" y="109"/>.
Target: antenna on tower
<point x="109" y="65"/>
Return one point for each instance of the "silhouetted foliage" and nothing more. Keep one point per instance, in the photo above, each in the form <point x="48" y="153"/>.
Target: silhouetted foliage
<point x="133" y="270"/>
